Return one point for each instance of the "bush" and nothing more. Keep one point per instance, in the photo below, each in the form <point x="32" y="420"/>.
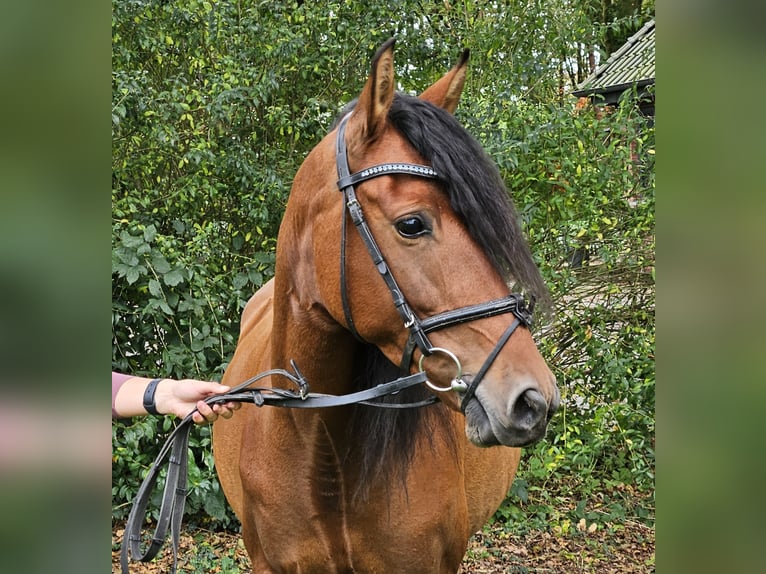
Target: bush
<point x="585" y="186"/>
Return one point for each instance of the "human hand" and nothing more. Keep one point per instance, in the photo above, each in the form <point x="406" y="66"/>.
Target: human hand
<point x="182" y="397"/>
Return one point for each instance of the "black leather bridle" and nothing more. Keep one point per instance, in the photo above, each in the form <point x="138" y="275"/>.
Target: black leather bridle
<point x="418" y="328"/>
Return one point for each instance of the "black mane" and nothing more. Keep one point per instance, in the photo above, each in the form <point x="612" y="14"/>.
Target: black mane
<point x="474" y="186"/>
<point x="384" y="440"/>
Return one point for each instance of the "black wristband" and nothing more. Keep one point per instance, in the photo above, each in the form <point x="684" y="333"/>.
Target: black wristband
<point x="149" y="404"/>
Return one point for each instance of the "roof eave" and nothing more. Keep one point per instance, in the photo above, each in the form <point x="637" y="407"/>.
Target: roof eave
<point x="614" y="91"/>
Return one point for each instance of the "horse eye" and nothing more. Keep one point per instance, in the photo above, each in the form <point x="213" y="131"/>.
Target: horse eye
<point x="411" y="227"/>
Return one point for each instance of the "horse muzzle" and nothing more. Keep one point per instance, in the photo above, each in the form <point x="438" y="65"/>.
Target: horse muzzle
<point x="520" y="421"/>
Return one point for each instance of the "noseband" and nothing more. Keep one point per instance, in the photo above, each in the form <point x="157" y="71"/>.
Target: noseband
<point x="418" y="328"/>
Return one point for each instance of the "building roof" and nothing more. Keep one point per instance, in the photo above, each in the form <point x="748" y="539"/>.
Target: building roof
<point x="631" y="65"/>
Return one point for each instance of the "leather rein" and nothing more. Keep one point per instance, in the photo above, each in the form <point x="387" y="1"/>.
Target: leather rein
<point x="176" y="447"/>
<point x="176" y="451"/>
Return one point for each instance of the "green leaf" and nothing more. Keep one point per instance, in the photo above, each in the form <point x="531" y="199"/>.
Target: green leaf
<point x="165" y="307"/>
<point x="129" y="240"/>
<point x="126" y="255"/>
<point x="155" y="288"/>
<point x="132" y="275"/>
<point x="172" y="299"/>
<point x="240" y="280"/>
<point x="255" y="276"/>
<point x="160" y="264"/>
<point x="173" y="278"/>
<point x="121" y="269"/>
<point x="150" y="232"/>
<point x="215" y="506"/>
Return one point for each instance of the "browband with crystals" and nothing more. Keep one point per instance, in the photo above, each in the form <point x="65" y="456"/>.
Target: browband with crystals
<point x="386" y="169"/>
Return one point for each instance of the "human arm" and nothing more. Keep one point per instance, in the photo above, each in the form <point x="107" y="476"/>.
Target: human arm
<point x="170" y="397"/>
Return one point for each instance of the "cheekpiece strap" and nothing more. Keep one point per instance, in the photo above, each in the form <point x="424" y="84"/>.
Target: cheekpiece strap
<point x="346" y="182"/>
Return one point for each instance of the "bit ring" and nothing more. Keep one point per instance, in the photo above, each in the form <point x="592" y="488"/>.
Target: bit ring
<point x="457" y="383"/>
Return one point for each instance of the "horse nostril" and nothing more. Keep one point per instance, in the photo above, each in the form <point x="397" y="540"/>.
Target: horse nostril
<point x="528" y="410"/>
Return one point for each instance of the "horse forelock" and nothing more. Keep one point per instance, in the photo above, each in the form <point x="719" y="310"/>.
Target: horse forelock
<point x="474" y="186"/>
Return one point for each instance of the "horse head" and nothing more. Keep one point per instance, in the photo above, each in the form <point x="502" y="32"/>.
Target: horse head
<point x="427" y="283"/>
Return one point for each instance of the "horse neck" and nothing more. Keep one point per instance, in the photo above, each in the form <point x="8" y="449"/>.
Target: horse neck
<point x="307" y="283"/>
<point x="324" y="355"/>
<point x="308" y="255"/>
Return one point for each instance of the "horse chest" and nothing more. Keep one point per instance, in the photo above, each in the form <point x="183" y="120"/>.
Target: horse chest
<point x="362" y="539"/>
<point x="314" y="522"/>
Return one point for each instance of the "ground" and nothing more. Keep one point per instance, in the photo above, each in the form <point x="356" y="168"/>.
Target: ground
<point x="624" y="549"/>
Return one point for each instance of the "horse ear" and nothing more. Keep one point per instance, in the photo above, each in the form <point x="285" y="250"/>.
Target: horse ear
<point x="445" y="92"/>
<point x="372" y="108"/>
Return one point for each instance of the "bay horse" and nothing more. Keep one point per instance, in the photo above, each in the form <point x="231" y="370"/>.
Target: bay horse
<point x="363" y="489"/>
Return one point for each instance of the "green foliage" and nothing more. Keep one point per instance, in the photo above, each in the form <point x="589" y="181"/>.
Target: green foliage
<point x="214" y="107"/>
<point x="135" y="447"/>
<point x="585" y="186"/>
